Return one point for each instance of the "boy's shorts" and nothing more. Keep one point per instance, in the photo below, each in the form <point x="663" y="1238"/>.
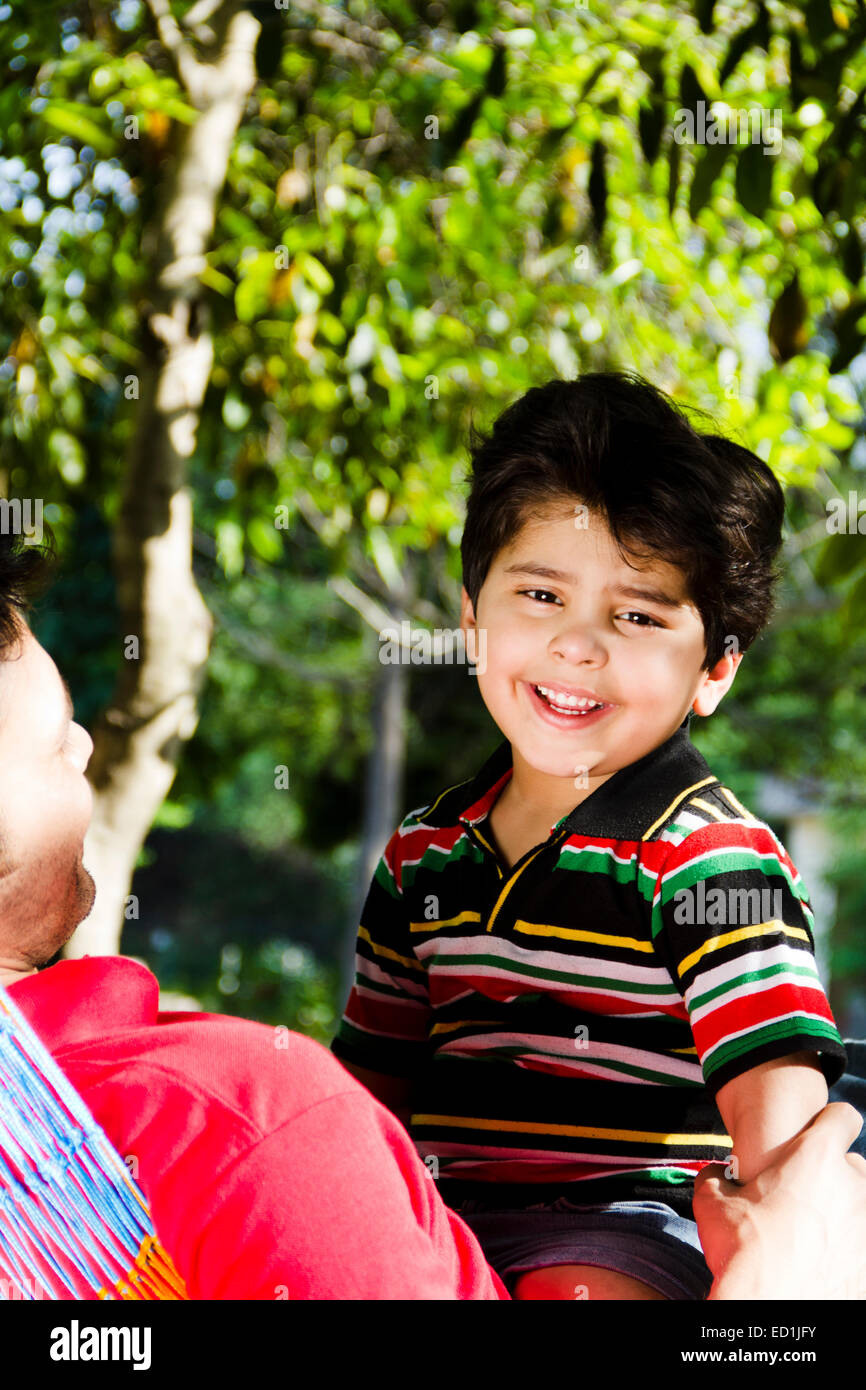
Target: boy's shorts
<point x="645" y="1239"/>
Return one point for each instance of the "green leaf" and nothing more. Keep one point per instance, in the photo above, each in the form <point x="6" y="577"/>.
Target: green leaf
<point x="314" y="272"/>
<point x="70" y="119"/>
<point x="230" y="547"/>
<point x="265" y="539"/>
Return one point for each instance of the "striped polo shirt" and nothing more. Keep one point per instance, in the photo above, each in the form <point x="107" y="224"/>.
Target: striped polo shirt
<point x="570" y="1019"/>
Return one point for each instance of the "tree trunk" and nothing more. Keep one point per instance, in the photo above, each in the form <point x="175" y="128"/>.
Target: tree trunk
<point x="382" y="795"/>
<point x="165" y="626"/>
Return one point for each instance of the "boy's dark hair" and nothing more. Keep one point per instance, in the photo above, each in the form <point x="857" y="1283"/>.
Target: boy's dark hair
<point x="25" y="570"/>
<point x="620" y="446"/>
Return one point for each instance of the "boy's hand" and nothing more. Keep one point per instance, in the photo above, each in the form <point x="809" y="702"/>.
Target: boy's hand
<point x="798" y="1229"/>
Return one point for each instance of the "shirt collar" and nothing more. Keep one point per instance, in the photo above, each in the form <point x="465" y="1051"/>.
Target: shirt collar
<point x="628" y="806"/>
<point x="76" y="1001"/>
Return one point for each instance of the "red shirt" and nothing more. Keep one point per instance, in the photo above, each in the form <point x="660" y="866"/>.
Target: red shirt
<point x="270" y="1171"/>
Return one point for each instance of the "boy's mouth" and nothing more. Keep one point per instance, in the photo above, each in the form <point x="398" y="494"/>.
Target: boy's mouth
<point x="566" y="710"/>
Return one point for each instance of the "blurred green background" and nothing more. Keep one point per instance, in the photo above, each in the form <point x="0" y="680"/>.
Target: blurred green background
<point x="427" y="208"/>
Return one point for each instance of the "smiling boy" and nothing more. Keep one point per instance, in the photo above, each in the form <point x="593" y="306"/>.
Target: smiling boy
<point x="570" y="1027"/>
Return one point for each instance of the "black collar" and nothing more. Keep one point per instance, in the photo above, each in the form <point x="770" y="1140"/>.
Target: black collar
<point x="628" y="806"/>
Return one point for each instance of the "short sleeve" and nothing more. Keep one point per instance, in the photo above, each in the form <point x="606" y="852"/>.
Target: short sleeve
<point x="732" y="921"/>
<point x="385" y="1025"/>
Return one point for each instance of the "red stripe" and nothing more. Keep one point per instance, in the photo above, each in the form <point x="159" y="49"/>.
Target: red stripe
<point x="755" y="1010"/>
<point x="384" y="1016"/>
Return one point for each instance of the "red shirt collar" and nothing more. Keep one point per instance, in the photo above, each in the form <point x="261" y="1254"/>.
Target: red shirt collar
<point x="77" y="1000"/>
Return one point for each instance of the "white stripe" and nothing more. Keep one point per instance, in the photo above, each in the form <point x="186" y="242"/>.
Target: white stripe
<point x="782" y="954"/>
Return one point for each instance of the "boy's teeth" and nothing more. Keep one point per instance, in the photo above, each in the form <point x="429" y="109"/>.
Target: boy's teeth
<point x="557" y="699"/>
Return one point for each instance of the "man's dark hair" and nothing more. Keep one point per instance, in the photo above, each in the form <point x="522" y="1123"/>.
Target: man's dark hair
<point x="25" y="570"/>
<point x="620" y="446"/>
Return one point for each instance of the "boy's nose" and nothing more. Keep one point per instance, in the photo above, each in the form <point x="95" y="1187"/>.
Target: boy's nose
<point x="85" y="746"/>
<point x="577" y="641"/>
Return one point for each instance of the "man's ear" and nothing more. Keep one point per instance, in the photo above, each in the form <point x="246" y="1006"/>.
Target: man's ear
<point x="716" y="683"/>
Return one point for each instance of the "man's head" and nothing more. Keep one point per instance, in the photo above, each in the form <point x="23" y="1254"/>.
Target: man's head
<point x="604" y="481"/>
<point x="45" y="798"/>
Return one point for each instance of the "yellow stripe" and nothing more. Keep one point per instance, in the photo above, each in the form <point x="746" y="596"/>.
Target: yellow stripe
<point x="677" y="801"/>
<point x="507" y="889"/>
<point x="574" y="934"/>
<point x="462" y="1023"/>
<point x="364" y="935"/>
<point x="431" y="809"/>
<point x="477" y="832"/>
<point x="730" y="937"/>
<point x="710" y="810"/>
<point x="747" y="815"/>
<point x="573" y="1131"/>
<point x="450" y="922"/>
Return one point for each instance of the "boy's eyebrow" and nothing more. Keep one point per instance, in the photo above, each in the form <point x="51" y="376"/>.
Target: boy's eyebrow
<point x="630" y="591"/>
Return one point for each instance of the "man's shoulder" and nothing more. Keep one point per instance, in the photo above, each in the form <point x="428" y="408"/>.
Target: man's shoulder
<point x="100" y="1018"/>
<point x="250" y="1077"/>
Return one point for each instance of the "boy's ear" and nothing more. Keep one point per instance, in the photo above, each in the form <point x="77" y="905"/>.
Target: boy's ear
<point x="467" y="612"/>
<point x="716" y="683"/>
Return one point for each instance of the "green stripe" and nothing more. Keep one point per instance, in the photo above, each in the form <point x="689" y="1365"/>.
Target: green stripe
<point x="788" y="1028"/>
<point x="749" y="978"/>
<point x="436" y="859"/>
<point x="713" y="866"/>
<point x="383" y="877"/>
<point x="589" y="859"/>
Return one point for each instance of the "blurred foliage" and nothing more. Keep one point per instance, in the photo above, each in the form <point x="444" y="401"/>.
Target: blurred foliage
<point x="429" y="208"/>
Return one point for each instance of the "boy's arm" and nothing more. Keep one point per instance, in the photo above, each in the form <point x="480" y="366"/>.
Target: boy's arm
<point x="383" y="1034"/>
<point x="741" y="953"/>
<point x="765" y="1107"/>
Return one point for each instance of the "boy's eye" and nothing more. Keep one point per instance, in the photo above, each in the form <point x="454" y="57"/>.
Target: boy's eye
<point x="645" y="616"/>
<point x="647" y="620"/>
<point x="530" y="593"/>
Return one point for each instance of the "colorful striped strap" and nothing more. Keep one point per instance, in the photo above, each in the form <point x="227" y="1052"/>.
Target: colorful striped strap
<point x="73" y="1223"/>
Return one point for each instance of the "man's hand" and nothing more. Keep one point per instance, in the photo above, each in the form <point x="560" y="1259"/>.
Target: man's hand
<point x="798" y="1229"/>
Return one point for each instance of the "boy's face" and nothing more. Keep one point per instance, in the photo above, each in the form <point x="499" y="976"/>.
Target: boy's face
<point x="579" y="632"/>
